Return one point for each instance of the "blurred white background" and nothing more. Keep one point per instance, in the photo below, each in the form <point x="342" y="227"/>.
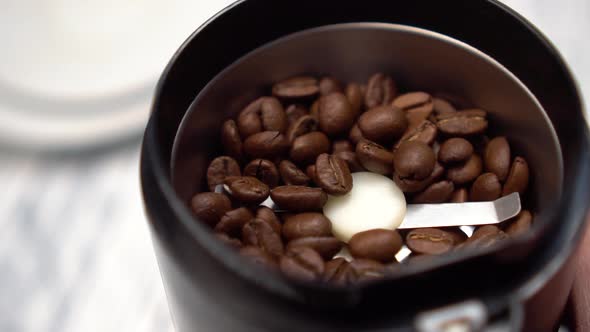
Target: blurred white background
<point x="75" y="252"/>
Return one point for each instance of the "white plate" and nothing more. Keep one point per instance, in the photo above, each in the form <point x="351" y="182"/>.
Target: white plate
<point x="81" y="73"/>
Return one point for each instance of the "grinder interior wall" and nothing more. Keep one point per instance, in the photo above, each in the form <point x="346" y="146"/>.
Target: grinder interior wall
<point x="417" y="59"/>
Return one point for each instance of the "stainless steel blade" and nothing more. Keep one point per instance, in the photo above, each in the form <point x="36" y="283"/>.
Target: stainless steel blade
<point x="445" y="215"/>
<point x="461" y="214"/>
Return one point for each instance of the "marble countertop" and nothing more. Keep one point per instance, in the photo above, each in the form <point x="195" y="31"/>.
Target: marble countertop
<point x="75" y="252"/>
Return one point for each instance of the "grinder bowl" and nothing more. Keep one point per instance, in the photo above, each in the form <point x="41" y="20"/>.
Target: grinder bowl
<point x="417" y="59"/>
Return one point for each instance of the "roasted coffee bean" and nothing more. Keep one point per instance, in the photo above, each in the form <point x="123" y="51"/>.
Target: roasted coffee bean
<point x="264" y="170"/>
<point x="438" y="192"/>
<point x="267" y="144"/>
<point x="209" y="207"/>
<point x="230" y="241"/>
<point x="455" y="150"/>
<point x="311" y="173"/>
<point x="458" y="235"/>
<point x="263" y="114"/>
<point x="221" y="168"/>
<point x="381" y="90"/>
<point x="232" y="221"/>
<point x="412" y="100"/>
<point x="301" y="87"/>
<point x="364" y="270"/>
<point x="460" y="196"/>
<point x="418" y="107"/>
<point x="260" y="234"/>
<point x="302" y="263"/>
<point x="328" y="85"/>
<point x="412" y="186"/>
<point x="355" y="134"/>
<point x="497" y="157"/>
<point x="466" y="172"/>
<point x="418" y="115"/>
<point x="307" y="148"/>
<point x="299" y="198"/>
<point x="377" y="244"/>
<point x="383" y="124"/>
<point x="304" y="125"/>
<point x="326" y="246"/>
<point x="292" y="175"/>
<point x="431" y="241"/>
<point x="336" y="272"/>
<point x="333" y="175"/>
<point x="374" y="157"/>
<point x="355" y="98"/>
<point x="442" y="106"/>
<point x="342" y="145"/>
<point x="351" y="159"/>
<point x="267" y="215"/>
<point x="230" y="138"/>
<point x="273" y="223"/>
<point x="425" y="132"/>
<point x="484" y="231"/>
<point x="486" y="187"/>
<point x="294" y="112"/>
<point x="247" y="189"/>
<point x="335" y="114"/>
<point x="306" y="224"/>
<point x="414" y="160"/>
<point x="520" y="224"/>
<point x="463" y="123"/>
<point x="485" y="236"/>
<point x="518" y="177"/>
<point x="258" y="257"/>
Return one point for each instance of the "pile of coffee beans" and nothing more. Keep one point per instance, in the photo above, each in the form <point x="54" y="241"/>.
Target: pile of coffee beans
<point x="301" y="144"/>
